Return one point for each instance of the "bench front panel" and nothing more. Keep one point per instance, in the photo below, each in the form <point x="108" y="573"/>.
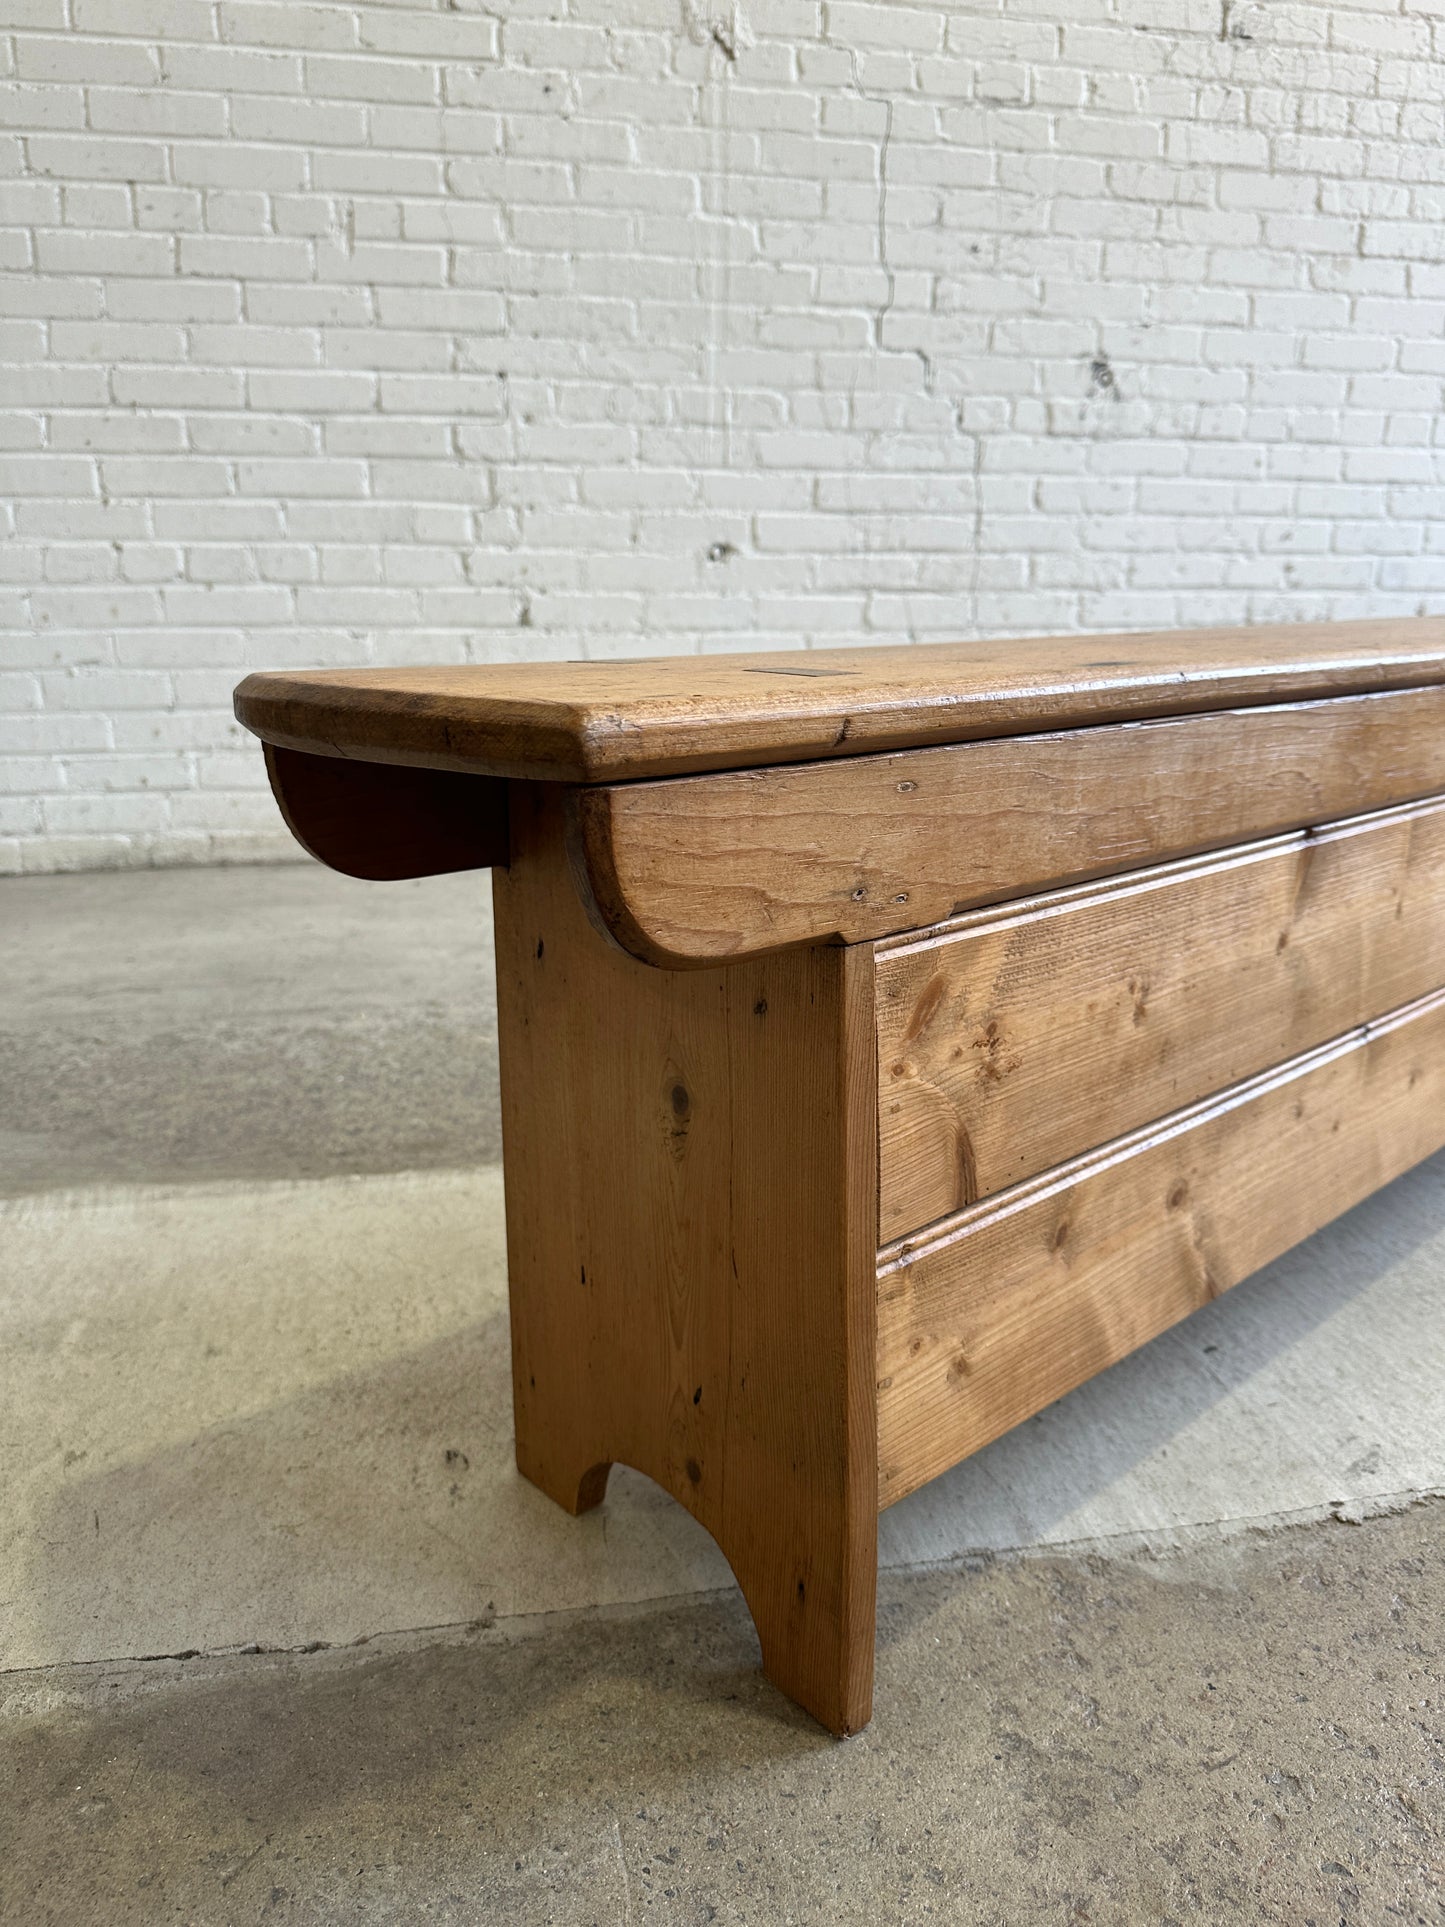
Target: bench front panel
<point x="1012" y="1303"/>
<point x="1012" y="1040"/>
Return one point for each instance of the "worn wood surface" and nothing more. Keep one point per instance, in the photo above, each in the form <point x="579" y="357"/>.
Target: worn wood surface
<point x="589" y="722"/>
<point x="1011" y="1040"/>
<point x="372" y="820"/>
<point x="691" y="1203"/>
<point x="1023" y="1297"/>
<point x="701" y="868"/>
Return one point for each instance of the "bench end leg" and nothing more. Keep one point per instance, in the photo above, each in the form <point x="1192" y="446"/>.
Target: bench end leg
<point x="576" y="1492"/>
<point x="691" y="1173"/>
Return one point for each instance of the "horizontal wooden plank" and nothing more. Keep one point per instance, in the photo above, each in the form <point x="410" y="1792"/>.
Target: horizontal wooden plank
<point x="1027" y="1295"/>
<point x="702" y="868"/>
<point x="1010" y="1041"/>
<point x="589" y="722"/>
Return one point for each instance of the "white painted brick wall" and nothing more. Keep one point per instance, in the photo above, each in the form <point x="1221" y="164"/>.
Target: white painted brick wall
<point x="360" y="332"/>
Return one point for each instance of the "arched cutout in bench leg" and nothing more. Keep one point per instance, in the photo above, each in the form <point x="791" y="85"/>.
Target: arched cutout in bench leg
<point x="386" y="821"/>
<point x="691" y="1230"/>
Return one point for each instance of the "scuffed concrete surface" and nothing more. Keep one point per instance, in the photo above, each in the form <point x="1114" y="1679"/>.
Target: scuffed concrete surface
<point x="281" y="1413"/>
<point x="1250" y="1734"/>
<point x="276" y="1022"/>
<point x="241" y="1412"/>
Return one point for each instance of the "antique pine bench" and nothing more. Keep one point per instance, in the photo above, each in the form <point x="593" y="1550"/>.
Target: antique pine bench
<point x="893" y="1038"/>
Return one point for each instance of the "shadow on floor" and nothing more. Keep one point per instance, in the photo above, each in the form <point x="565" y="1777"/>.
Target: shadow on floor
<point x="1257" y="1720"/>
<point x="386" y="1497"/>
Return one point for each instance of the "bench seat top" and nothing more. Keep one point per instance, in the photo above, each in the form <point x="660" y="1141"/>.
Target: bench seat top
<point x="608" y="721"/>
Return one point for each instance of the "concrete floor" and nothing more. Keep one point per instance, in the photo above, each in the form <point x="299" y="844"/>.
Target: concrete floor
<point x="283" y="1636"/>
<point x="172" y="1025"/>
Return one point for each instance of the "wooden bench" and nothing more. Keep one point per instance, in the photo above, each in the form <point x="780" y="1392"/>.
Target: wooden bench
<point x="892" y="1039"/>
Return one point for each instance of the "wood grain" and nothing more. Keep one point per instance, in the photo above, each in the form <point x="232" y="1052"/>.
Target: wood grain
<point x="691" y="1202"/>
<point x="1010" y="1041"/>
<point x="700" y="868"/>
<point x="375" y="821"/>
<point x="590" y="722"/>
<point x="1015" y="1302"/>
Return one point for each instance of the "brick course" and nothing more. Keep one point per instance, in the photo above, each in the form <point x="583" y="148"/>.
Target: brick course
<point x="390" y="332"/>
